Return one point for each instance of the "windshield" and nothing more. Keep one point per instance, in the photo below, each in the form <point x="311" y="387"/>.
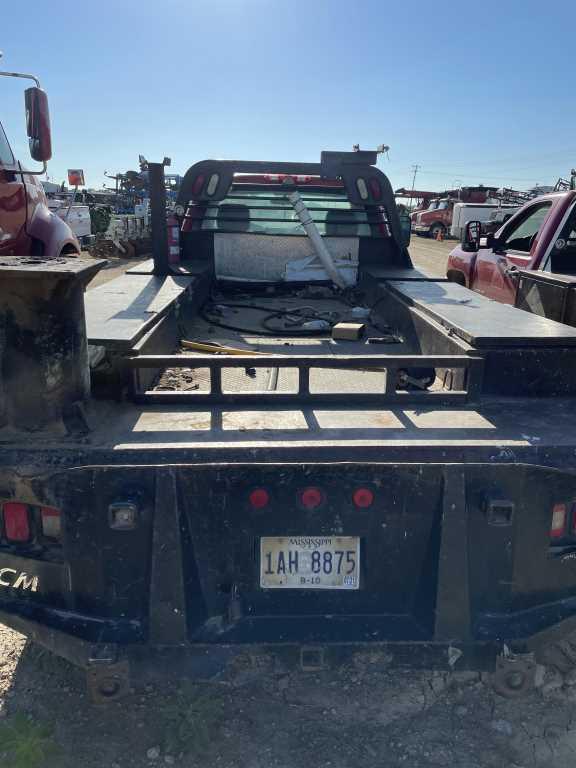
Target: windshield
<point x="6" y="156"/>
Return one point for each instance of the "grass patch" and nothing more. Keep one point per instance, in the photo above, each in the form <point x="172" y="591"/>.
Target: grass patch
<point x="28" y="744"/>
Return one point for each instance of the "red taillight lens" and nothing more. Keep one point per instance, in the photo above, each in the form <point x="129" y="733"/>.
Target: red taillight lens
<point x="16" y="522"/>
<point x="51" y="522"/>
<point x="558" y="526"/>
<point x="259" y="498"/>
<point x="376" y="189"/>
<point x="198" y="184"/>
<point x="363" y="497"/>
<point x="311" y="498"/>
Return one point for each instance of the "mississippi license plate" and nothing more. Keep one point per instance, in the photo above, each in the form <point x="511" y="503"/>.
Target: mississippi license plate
<point x="309" y="562"/>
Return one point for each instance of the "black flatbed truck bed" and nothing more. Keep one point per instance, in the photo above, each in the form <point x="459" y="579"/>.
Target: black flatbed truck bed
<point x="460" y="564"/>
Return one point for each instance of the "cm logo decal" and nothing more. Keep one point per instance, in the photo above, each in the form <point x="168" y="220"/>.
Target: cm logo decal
<point x="12" y="578"/>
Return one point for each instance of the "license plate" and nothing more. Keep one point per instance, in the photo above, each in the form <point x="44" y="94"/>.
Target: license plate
<point x="309" y="562"/>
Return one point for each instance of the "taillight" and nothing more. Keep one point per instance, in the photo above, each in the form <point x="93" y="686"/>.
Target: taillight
<point x="363" y="497"/>
<point x="16" y="521"/>
<point x="51" y="522"/>
<point x="259" y="498"/>
<point x="311" y="498"/>
<point x="376" y="189"/>
<point x="198" y="184"/>
<point x="212" y="184"/>
<point x="362" y="188"/>
<point x="558" y="526"/>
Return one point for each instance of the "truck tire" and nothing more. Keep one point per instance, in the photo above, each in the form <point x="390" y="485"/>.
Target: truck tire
<point x="435" y="229"/>
<point x="456" y="277"/>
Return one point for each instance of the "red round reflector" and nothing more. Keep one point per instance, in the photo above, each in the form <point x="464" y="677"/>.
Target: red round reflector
<point x="363" y="497"/>
<point x="311" y="498"/>
<point x="259" y="498"/>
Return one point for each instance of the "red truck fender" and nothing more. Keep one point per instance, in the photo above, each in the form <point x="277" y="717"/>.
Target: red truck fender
<point x="460" y="267"/>
<point x="54" y="234"/>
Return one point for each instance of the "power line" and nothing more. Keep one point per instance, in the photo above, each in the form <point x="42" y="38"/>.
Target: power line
<point x="475" y="173"/>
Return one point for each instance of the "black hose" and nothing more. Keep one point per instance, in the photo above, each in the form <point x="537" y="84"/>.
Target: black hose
<point x="259" y="331"/>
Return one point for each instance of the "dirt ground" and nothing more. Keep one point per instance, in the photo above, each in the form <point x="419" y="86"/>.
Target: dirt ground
<point x="114" y="268"/>
<point x="260" y="716"/>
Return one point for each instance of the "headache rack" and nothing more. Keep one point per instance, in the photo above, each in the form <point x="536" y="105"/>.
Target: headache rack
<point x="469" y="383"/>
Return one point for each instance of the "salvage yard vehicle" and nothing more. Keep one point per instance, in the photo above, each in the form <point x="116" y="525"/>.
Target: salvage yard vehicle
<point x="438" y="217"/>
<point x="27" y="226"/>
<point x="486" y="213"/>
<point x="295" y="445"/>
<point x="529" y="262"/>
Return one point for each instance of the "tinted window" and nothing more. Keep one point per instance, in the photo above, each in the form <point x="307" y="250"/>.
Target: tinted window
<point x="6" y="157"/>
<point x="519" y="237"/>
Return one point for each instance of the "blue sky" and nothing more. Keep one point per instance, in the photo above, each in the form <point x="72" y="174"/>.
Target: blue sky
<point x="472" y="92"/>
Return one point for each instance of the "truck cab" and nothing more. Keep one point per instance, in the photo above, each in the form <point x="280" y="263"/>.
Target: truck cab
<point x="540" y="237"/>
<point x="436" y="218"/>
<point x="27" y="226"/>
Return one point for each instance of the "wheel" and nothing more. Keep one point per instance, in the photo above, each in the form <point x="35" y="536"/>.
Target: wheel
<point x="436" y="229"/>
<point x="456" y="277"/>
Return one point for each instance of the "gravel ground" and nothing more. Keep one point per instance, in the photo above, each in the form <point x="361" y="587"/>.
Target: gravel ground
<point x="256" y="715"/>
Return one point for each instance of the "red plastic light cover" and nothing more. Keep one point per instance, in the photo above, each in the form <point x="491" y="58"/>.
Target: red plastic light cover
<point x="363" y="497"/>
<point x="198" y="184"/>
<point x="376" y="189"/>
<point x="259" y="498"/>
<point x="16" y="522"/>
<point x="311" y="498"/>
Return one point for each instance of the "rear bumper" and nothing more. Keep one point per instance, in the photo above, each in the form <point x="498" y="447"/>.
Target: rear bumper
<point x="203" y="661"/>
<point x="448" y="578"/>
<point x="421" y="229"/>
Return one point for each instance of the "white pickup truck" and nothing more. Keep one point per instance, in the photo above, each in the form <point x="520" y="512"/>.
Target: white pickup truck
<point x="484" y="212"/>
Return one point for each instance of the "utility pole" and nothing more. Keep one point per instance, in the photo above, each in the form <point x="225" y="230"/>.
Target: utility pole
<point x="415" y="168"/>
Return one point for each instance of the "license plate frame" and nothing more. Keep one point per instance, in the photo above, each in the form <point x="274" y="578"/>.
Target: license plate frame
<point x="297" y="568"/>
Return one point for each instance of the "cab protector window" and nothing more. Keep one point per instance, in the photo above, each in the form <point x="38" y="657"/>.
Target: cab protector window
<point x="268" y="212"/>
<point x="519" y="238"/>
<point x="6" y="156"/>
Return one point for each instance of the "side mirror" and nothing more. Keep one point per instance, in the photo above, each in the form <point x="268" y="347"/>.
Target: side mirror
<point x="471" y="238"/>
<point x="38" y="124"/>
<point x="489" y="241"/>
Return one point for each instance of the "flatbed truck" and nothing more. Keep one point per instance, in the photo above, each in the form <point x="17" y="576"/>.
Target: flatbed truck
<point x="229" y="478"/>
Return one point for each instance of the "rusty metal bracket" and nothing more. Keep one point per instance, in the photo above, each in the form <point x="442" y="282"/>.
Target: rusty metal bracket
<point x="514" y="675"/>
<point x="312" y="659"/>
<point x="108" y="682"/>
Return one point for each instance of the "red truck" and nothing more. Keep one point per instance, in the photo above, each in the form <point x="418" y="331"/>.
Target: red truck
<point x="537" y="244"/>
<point x="27" y="226"/>
<point x="437" y="217"/>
